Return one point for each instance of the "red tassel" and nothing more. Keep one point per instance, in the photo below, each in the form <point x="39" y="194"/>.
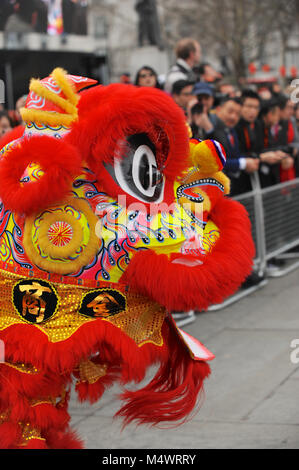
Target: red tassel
<point x="173" y="393"/>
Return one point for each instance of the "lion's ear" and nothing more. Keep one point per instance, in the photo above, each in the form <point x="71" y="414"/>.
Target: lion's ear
<point x="208" y="156"/>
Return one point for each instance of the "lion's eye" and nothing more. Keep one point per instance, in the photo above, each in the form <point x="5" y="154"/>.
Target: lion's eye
<point x="136" y="170"/>
<point x="145" y="173"/>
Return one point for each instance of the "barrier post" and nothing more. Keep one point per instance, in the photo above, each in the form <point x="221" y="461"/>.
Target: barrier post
<point x="259" y="222"/>
<point x="253" y="197"/>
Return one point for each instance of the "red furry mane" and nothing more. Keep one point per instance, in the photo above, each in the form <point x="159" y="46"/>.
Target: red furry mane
<point x="109" y="114"/>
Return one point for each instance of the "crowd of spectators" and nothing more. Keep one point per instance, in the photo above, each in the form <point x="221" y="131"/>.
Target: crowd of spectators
<point x="257" y="125"/>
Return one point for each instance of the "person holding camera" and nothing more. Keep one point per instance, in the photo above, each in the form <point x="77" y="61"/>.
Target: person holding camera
<point x="200" y="117"/>
<point x="182" y="94"/>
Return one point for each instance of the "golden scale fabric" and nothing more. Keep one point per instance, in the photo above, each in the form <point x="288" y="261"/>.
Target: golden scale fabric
<point x="67" y="307"/>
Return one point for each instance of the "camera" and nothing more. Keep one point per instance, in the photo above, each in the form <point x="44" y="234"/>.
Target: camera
<point x="197" y="108"/>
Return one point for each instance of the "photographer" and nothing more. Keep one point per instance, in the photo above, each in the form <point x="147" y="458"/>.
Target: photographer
<point x="200" y="118"/>
<point x="182" y="94"/>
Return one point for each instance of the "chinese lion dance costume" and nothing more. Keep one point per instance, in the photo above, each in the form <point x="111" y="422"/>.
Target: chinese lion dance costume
<point x="111" y="218"/>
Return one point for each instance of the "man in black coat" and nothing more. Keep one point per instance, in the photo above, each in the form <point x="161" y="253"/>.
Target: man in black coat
<point x="227" y="117"/>
<point x="249" y="134"/>
<point x="270" y="156"/>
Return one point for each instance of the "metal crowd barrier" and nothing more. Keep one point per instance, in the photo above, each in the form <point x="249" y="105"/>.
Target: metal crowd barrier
<point x="281" y="219"/>
<point x="274" y="216"/>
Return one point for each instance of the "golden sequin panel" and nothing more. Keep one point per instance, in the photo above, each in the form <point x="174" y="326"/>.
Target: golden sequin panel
<point x="142" y="320"/>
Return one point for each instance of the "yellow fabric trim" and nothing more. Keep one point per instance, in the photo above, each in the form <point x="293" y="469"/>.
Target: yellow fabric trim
<point x="69" y="105"/>
<point x="223" y="179"/>
<point x="68" y="88"/>
<point x="69" y="266"/>
<point x="41" y="90"/>
<point x="167" y="249"/>
<point x="202" y="157"/>
<point x="189" y="130"/>
<point x="47" y="117"/>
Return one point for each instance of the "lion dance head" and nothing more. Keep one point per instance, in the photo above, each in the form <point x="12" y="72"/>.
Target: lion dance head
<point x="111" y="218"/>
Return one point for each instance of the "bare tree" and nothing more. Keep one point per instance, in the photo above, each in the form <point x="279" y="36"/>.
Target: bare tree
<point x="285" y="23"/>
<point x="237" y="29"/>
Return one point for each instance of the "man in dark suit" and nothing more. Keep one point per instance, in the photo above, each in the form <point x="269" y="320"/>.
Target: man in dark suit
<point x="249" y="134"/>
<point x="228" y="115"/>
<point x="270" y="157"/>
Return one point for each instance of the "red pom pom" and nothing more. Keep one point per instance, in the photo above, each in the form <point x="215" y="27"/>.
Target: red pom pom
<point x="59" y="161"/>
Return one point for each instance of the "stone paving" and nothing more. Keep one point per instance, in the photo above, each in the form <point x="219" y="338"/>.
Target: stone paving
<point x="252" y="396"/>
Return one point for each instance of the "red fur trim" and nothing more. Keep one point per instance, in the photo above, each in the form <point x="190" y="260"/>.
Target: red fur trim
<point x="30" y="385"/>
<point x="24" y="343"/>
<point x="173" y="392"/>
<point x="10" y="433"/>
<point x="35" y="444"/>
<point x="127" y="362"/>
<point x="46" y="416"/>
<point x="59" y="161"/>
<point x="64" y="440"/>
<point x="93" y="392"/>
<point x="14" y="134"/>
<point x="29" y="408"/>
<point x="177" y="286"/>
<point x="109" y="114"/>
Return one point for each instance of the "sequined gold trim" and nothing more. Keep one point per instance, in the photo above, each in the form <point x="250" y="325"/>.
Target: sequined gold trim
<point x="24" y="368"/>
<point x="142" y="320"/>
<point x="63" y="398"/>
<point x="91" y="372"/>
<point x="44" y="401"/>
<point x="4" y="416"/>
<point x="28" y="433"/>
